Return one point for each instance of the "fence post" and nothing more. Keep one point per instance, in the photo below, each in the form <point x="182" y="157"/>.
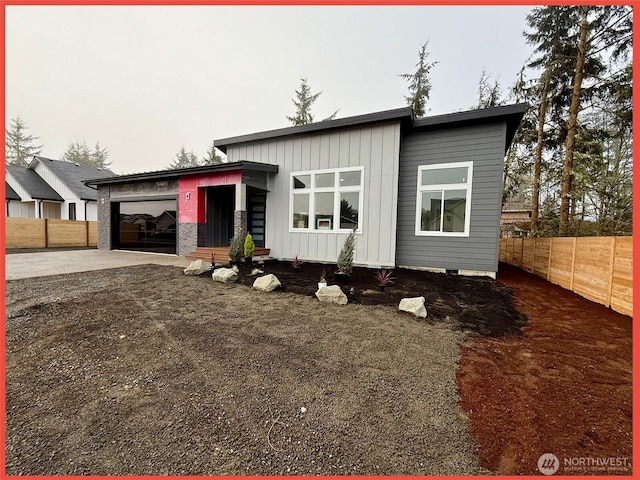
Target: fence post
<point x="549" y="261"/>
<point x="46" y="233"/>
<point x="86" y="225"/>
<point x="573" y="262"/>
<point x="612" y="258"/>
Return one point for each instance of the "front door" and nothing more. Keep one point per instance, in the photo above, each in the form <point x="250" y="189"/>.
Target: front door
<point x="256" y="210"/>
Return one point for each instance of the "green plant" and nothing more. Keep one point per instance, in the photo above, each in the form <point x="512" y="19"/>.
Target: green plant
<point x="345" y="259"/>
<point x="384" y="277"/>
<point x="249" y="246"/>
<point x="235" y="247"/>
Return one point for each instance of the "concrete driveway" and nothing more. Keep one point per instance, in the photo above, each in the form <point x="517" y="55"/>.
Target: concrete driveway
<point x="26" y="265"/>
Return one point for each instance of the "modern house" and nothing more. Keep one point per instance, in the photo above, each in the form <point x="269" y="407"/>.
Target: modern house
<point x="420" y="193"/>
<point x="52" y="189"/>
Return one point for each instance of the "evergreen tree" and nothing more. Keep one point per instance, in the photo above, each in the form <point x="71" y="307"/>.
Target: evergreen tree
<point x="77" y="152"/>
<point x="488" y="94"/>
<point x="80" y="153"/>
<point x="303" y="102"/>
<point x="419" y="83"/>
<point x="98" y="157"/>
<point x="184" y="159"/>
<point x="19" y="146"/>
<point x="212" y="156"/>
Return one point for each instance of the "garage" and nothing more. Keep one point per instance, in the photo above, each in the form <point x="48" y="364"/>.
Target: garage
<point x="147" y="226"/>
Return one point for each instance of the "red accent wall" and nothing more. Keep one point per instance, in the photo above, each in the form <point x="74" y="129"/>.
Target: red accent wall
<point x="191" y="193"/>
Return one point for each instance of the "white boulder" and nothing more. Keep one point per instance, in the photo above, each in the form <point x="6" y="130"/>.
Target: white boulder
<point x="197" y="267"/>
<point x="267" y="283"/>
<point x="414" y="305"/>
<point x="224" y="275"/>
<point x="332" y="294"/>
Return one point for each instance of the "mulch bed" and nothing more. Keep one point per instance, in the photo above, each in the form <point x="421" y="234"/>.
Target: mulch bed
<point x="476" y="304"/>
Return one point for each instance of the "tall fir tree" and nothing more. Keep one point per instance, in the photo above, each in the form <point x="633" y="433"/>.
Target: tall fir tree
<point x="19" y="145"/>
<point x="489" y="94"/>
<point x="212" y="157"/>
<point x="304" y="101"/>
<point x="80" y="153"/>
<point x="419" y="83"/>
<point x="184" y="159"/>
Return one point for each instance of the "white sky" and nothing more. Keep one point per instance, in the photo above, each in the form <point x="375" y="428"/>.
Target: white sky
<point x="145" y="81"/>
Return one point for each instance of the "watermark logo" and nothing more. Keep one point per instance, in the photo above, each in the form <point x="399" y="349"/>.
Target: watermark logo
<point x="548" y="464"/>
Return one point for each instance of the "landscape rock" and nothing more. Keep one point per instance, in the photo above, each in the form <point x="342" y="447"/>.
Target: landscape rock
<point x="414" y="305"/>
<point x="197" y="267"/>
<point x="267" y="283"/>
<point x="224" y="275"/>
<point x="332" y="294"/>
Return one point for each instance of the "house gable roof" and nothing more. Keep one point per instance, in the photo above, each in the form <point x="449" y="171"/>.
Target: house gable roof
<point x="33" y="184"/>
<point x="401" y="114"/>
<point x="10" y="193"/>
<point x="72" y="175"/>
<point x="183" y="172"/>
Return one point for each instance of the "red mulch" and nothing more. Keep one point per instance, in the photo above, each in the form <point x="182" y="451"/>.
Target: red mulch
<point x="562" y="388"/>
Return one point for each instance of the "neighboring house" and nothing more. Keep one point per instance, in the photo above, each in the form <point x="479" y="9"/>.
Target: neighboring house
<point x="421" y="193"/>
<point x="53" y="189"/>
<point x="37" y="198"/>
<point x="11" y="197"/>
<point x="66" y="178"/>
<point x="515" y="220"/>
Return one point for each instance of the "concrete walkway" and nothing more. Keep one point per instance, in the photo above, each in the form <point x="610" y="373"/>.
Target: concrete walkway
<point x="26" y="265"/>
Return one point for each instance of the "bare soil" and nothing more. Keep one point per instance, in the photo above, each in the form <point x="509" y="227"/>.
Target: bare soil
<point x="146" y="371"/>
<point x="563" y="387"/>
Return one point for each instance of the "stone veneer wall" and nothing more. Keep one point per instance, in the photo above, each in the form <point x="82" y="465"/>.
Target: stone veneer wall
<point x="239" y="221"/>
<point x="187" y="238"/>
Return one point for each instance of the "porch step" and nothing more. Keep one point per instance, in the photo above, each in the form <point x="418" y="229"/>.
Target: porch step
<point x="222" y="253"/>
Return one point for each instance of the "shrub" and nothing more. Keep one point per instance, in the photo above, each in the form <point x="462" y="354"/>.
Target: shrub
<point x="235" y="246"/>
<point x="249" y="246"/>
<point x="384" y="277"/>
<point x="345" y="259"/>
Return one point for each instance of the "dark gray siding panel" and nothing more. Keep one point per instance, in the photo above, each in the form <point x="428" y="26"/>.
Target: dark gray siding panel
<point x="484" y="145"/>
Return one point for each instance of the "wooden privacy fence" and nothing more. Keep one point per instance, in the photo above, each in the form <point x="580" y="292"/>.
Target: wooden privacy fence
<point x="597" y="268"/>
<point x="44" y="233"/>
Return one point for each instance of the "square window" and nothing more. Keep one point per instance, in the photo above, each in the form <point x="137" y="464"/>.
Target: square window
<point x="444" y="199"/>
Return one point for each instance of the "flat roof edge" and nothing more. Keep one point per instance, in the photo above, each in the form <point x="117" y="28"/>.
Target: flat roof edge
<point x="183" y="172"/>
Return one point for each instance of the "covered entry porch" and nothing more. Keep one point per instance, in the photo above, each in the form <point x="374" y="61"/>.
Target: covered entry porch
<point x="216" y="205"/>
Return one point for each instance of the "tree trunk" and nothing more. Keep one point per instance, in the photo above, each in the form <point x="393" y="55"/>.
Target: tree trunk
<point x="567" y="174"/>
<point x="537" y="165"/>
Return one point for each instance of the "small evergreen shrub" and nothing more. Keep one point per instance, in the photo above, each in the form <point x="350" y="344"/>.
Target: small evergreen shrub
<point x="345" y="259"/>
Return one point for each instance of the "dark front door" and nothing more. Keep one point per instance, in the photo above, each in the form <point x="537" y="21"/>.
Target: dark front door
<point x="221" y="203"/>
<point x="256" y="216"/>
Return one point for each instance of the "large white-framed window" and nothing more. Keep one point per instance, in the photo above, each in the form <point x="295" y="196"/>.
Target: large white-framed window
<point x="444" y="199"/>
<point x="328" y="200"/>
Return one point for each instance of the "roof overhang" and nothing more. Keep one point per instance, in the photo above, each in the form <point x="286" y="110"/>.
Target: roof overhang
<point x="399" y="114"/>
<point x="184" y="172"/>
<point x="510" y="114"/>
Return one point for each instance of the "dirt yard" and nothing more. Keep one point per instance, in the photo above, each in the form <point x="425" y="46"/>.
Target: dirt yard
<point x="564" y="387"/>
<point x="143" y="370"/>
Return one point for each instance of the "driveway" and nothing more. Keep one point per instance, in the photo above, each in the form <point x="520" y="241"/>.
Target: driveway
<point x="41" y="264"/>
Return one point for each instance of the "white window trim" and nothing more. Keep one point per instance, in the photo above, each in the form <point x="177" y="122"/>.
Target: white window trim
<point x="336" y="189"/>
<point x="449" y="186"/>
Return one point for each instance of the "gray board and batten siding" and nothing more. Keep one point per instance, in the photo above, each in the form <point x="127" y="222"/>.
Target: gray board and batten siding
<point x="484" y="145"/>
<point x="375" y="147"/>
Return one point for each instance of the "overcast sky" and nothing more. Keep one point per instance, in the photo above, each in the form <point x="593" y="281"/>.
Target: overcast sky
<point x="145" y="81"/>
